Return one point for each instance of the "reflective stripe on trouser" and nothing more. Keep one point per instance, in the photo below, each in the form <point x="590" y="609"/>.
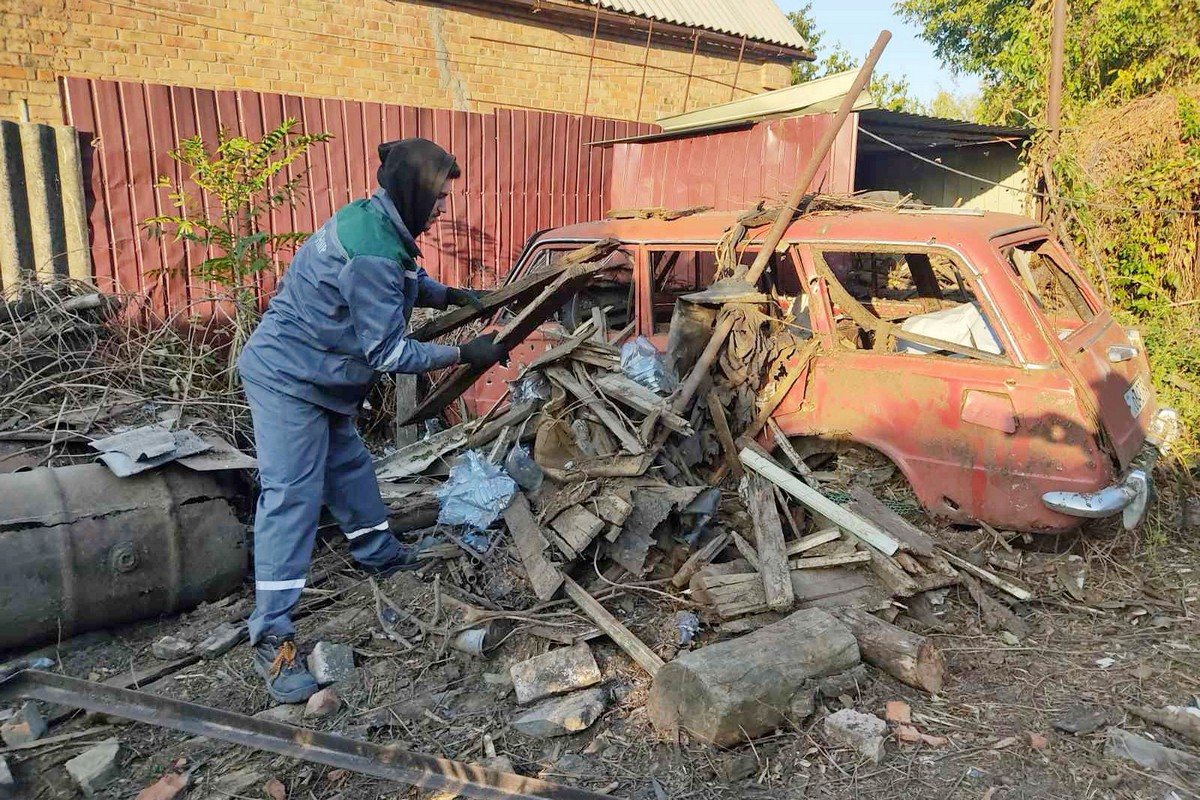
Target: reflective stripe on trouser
<point x="308" y="456"/>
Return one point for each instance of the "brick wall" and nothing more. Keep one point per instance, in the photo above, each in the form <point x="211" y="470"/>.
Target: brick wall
<point x="436" y="55"/>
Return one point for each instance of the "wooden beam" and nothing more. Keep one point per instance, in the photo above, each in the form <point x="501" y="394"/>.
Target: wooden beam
<point x="764" y="465"/>
<point x="724" y="436"/>
<point x="589" y="398"/>
<point x="769" y="542"/>
<point x="814" y="540"/>
<point x="629" y="392"/>
<point x="544" y="577"/>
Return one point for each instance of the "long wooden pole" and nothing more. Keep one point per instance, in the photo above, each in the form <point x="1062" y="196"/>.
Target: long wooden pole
<point x="780" y="226"/>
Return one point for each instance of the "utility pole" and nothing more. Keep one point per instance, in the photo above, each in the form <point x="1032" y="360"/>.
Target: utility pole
<point x="1054" y="94"/>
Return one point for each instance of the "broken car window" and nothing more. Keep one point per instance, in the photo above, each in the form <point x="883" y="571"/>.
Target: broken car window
<point x="883" y="294"/>
<point x="674" y="273"/>
<point x="1052" y="286"/>
<point x="610" y="296"/>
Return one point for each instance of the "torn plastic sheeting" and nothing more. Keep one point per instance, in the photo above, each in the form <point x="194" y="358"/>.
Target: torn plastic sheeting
<point x="963" y="325"/>
<point x="641" y="362"/>
<point x="476" y="493"/>
<point x="530" y="388"/>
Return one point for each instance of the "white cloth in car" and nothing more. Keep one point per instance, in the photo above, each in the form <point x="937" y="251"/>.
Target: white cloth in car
<point x="962" y="325"/>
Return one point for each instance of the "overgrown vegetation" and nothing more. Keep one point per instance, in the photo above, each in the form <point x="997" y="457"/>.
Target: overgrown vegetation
<point x="224" y="206"/>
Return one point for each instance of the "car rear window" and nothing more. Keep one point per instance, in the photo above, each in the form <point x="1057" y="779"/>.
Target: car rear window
<point x="1054" y="288"/>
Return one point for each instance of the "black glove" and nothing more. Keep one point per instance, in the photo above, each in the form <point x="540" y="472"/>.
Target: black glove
<point x="464" y="297"/>
<point x="482" y="351"/>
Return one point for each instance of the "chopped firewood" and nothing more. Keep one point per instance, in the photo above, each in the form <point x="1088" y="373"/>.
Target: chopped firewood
<point x="813" y="540"/>
<point x="912" y="538"/>
<point x="612" y="508"/>
<point x="734" y="595"/>
<point x="996" y="616"/>
<point x="724" y="436"/>
<point x="699" y="559"/>
<point x="630" y="393"/>
<point x="906" y="656"/>
<point x="597" y="407"/>
<point x="531" y="545"/>
<point x="578" y="527"/>
<point x="769" y="542"/>
<point x="622" y="636"/>
<point x="821" y="562"/>
<point x="757" y="459"/>
<point x="747" y="550"/>
<point x="1009" y="585"/>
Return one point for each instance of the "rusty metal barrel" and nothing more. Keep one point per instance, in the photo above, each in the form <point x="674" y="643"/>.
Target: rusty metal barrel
<point x="82" y="549"/>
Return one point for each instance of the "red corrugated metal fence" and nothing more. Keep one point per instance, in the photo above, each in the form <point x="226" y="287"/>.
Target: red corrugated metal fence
<point x="731" y="170"/>
<point x="522" y="171"/>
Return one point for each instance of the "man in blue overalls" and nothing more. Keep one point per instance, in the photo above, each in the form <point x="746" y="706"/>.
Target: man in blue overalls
<point x="339" y="319"/>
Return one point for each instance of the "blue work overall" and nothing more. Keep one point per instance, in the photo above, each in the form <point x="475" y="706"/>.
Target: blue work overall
<point x="339" y="319"/>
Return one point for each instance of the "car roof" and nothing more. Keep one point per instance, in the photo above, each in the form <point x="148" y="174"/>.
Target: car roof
<point x="915" y="226"/>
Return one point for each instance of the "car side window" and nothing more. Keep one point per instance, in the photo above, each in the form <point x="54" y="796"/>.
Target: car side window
<point x="907" y="301"/>
<point x="675" y="273"/>
<point x="1051" y="285"/>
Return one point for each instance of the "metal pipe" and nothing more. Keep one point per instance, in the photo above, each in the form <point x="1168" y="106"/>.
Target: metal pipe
<point x="780" y="226"/>
<point x="1057" y="47"/>
<point x="367" y="758"/>
<point x="687" y="90"/>
<point x="737" y="73"/>
<point x="587" y="92"/>
<point x="645" y="64"/>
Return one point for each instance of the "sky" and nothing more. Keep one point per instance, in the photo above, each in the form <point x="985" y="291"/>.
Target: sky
<point x="857" y="23"/>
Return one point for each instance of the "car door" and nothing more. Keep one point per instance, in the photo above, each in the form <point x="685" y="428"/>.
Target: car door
<point x="949" y="405"/>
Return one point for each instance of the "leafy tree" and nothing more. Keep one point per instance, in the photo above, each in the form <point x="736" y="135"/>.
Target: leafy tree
<point x="1116" y="49"/>
<point x="947" y="104"/>
<point x="888" y="92"/>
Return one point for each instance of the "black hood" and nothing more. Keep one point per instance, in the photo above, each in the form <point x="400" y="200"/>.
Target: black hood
<point x="412" y="172"/>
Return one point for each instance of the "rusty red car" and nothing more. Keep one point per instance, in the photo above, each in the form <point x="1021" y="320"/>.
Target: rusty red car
<point x="1024" y="405"/>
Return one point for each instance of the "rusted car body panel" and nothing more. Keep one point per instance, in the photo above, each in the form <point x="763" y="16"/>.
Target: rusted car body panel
<point x="1061" y="402"/>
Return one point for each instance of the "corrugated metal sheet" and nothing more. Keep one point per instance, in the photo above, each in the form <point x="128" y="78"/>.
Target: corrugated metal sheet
<point x="760" y="20"/>
<point x="522" y="171"/>
<point x="731" y="171"/>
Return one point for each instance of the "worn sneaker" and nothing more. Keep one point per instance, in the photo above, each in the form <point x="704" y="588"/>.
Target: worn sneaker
<point x="288" y="680"/>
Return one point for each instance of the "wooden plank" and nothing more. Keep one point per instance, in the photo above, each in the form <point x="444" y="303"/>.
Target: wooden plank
<point x="699" y="559"/>
<point x="578" y="527"/>
<point x="911" y="538"/>
<point x="589" y="398"/>
<point x="628" y="392"/>
<point x="760" y="462"/>
<point x="734" y="595"/>
<point x="1017" y="590"/>
<point x="419" y="456"/>
<point x="612" y="508"/>
<point x="516" y="331"/>
<point x="485" y="433"/>
<point x="724" y="436"/>
<point x="769" y="542"/>
<point x="646" y="658"/>
<point x="823" y="562"/>
<point x="746" y="549"/>
<point x="813" y="540"/>
<point x="785" y="445"/>
<point x="518" y="291"/>
<point x="543" y="576"/>
<point x="560" y="351"/>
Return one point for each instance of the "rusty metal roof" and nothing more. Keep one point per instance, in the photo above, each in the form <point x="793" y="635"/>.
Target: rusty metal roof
<point x="757" y="20"/>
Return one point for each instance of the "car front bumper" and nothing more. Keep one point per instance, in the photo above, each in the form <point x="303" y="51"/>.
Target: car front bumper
<point x="1129" y="496"/>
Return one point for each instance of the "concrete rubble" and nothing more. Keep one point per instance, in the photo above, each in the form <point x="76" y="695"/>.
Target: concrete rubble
<point x="562" y="716"/>
<point x="94" y="768"/>
<point x="331" y="662"/>
<point x="172" y="648"/>
<point x="864" y="733"/>
<point x="26" y="726"/>
<point x="556" y="672"/>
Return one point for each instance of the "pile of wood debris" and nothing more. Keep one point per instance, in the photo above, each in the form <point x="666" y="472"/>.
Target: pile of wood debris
<point x="683" y="502"/>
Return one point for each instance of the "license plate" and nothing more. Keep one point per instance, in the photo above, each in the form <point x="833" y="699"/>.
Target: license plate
<point x="1135" y="398"/>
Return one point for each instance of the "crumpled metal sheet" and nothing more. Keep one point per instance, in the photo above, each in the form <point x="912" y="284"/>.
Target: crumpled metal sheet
<point x="149" y="446"/>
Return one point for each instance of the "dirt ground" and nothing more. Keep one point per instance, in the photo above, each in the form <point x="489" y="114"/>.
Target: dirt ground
<point x="1130" y="635"/>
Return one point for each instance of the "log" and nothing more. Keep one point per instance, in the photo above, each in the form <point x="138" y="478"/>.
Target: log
<point x="769" y="543"/>
<point x="746" y="687"/>
<point x="646" y="658"/>
<point x="908" y="657"/>
<point x="756" y="459"/>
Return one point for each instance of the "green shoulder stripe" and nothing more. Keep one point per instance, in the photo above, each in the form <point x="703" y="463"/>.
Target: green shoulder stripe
<point x="362" y="231"/>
